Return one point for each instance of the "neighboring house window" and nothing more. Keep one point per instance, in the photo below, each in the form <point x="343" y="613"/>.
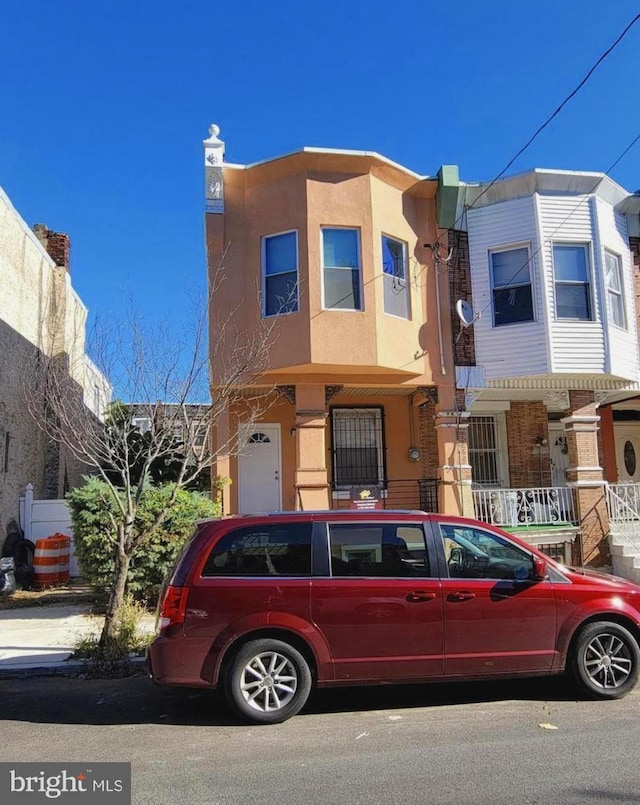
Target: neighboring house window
<point x="280" y="273"/>
<point x="511" y="282"/>
<point x="572" y="286"/>
<point x="141" y="423"/>
<point x="358" y="446"/>
<point x="484" y="454"/>
<point x="615" y="296"/>
<point x="199" y="434"/>
<point x="394" y="272"/>
<point x="341" y="269"/>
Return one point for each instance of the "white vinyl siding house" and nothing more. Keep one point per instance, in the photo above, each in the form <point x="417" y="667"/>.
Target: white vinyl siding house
<point x="581" y="323"/>
<point x="508" y="350"/>
<point x="621" y="342"/>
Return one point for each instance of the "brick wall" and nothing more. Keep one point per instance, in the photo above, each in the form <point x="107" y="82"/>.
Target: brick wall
<point x="460" y="288"/>
<point x="528" y="463"/>
<point x="57" y="244"/>
<point x="428" y="440"/>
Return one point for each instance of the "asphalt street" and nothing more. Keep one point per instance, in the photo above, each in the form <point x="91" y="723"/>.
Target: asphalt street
<point x="510" y="742"/>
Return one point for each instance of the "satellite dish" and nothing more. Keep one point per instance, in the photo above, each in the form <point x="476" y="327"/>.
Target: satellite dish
<point x="465" y="312"/>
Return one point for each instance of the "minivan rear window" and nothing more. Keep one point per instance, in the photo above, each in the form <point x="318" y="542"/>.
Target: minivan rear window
<point x="263" y="550"/>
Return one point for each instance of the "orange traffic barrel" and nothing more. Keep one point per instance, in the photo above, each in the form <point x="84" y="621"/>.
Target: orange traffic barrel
<point x="51" y="560"/>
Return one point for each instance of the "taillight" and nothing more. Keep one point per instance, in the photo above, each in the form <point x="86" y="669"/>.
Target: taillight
<point x="174" y="607"/>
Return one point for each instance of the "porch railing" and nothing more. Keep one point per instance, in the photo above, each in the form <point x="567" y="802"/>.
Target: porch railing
<point x="413" y="493"/>
<point x="531" y="506"/>
<point x="623" y="502"/>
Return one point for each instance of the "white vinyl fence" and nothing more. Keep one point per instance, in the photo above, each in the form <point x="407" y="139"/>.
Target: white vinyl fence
<point x="42" y="518"/>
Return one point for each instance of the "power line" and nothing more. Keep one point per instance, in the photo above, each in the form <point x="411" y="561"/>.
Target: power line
<point x="543" y="126"/>
<point x="574" y="92"/>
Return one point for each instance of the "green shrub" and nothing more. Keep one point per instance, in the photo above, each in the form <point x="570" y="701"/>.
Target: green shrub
<point x="91" y="506"/>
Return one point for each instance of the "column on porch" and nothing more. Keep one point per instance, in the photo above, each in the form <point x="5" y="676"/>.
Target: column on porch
<point x="221" y="466"/>
<point x="454" y="470"/>
<point x="312" y="487"/>
<point x="585" y="476"/>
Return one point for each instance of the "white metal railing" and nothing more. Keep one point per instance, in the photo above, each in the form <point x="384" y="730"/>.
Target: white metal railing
<point x="623" y="502"/>
<point x="531" y="506"/>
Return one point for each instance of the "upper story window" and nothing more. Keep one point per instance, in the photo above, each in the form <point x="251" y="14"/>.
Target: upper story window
<point x="280" y="273"/>
<point x="358" y="446"/>
<point x="572" y="283"/>
<point x="341" y="269"/>
<point x="511" y="282"/>
<point x="615" y="294"/>
<point x="141" y="423"/>
<point x="394" y="272"/>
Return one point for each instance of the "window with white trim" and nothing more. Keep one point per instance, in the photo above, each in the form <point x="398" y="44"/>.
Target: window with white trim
<point x="341" y="269"/>
<point x="280" y="273"/>
<point x="614" y="286"/>
<point x="357" y="440"/>
<point x="571" y="269"/>
<point x="394" y="277"/>
<point x="511" y="283"/>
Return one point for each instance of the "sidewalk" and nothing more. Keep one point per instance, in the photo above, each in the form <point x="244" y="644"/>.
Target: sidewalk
<point x="40" y="639"/>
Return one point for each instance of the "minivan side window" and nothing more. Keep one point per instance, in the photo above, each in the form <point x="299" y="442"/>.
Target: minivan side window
<point x="264" y="550"/>
<point x="378" y="549"/>
<point x="472" y="553"/>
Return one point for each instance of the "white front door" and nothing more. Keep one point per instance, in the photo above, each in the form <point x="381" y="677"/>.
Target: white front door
<point x="558" y="454"/>
<point x="627" y="439"/>
<point x="259" y="487"/>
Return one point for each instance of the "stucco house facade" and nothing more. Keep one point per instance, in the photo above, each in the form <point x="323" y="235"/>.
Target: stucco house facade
<point x="40" y="312"/>
<point x="336" y="241"/>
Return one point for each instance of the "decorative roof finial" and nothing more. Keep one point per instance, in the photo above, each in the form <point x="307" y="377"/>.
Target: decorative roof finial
<point x="214" y="130"/>
<point x="213" y="160"/>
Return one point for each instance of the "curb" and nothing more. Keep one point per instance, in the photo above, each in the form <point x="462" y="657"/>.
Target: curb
<point x="67" y="668"/>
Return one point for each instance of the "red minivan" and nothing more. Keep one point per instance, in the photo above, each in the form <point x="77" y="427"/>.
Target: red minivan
<point x="268" y="606"/>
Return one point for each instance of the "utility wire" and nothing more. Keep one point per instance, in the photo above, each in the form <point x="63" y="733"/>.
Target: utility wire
<point x="543" y="126"/>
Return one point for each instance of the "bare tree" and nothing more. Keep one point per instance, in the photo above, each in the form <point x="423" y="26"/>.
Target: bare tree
<point x="164" y="376"/>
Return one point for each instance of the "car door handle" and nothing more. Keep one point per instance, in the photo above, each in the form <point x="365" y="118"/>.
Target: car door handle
<point x="420" y="595"/>
<point x="461" y="595"/>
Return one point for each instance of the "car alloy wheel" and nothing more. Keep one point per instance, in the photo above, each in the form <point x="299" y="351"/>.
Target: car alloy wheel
<point x="605" y="660"/>
<point x="268" y="681"/>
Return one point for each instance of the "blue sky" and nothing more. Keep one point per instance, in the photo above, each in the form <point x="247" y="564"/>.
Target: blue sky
<point x="104" y="107"/>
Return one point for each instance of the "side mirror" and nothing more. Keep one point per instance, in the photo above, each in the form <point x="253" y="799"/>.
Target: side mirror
<point x="540" y="570"/>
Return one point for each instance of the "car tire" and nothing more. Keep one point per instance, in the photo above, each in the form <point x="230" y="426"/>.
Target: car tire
<point x="268" y="681"/>
<point x="604" y="660"/>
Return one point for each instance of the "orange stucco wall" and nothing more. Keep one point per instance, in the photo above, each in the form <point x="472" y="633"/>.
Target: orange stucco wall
<point x="305" y="193"/>
<point x="359" y="350"/>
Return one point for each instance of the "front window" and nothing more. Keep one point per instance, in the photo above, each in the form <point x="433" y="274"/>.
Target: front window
<point x="572" y="285"/>
<point x="472" y="553"/>
<point x="280" y="273"/>
<point x="511" y="282"/>
<point x="394" y="274"/>
<point x="358" y="446"/>
<point x="484" y="455"/>
<point x="341" y="269"/>
<point x="615" y="296"/>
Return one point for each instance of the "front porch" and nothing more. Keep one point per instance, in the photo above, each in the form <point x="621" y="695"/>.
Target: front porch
<point x="543" y="516"/>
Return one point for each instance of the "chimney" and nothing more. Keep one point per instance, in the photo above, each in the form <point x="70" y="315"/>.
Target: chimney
<point x="57" y="244"/>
